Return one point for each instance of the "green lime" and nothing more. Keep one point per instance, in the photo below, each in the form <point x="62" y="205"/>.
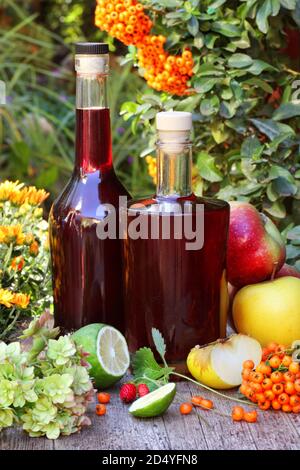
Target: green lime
<point x="154" y="403"/>
<point x="109" y="356"/>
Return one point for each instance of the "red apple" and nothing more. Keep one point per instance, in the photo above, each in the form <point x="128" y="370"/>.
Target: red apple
<point x="255" y="246"/>
<point x="288" y="270"/>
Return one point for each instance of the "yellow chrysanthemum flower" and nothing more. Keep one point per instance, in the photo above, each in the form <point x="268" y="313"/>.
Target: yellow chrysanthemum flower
<point x="15" y="192"/>
<point x="6" y="298"/>
<point x="9" y="299"/>
<point x="11" y="234"/>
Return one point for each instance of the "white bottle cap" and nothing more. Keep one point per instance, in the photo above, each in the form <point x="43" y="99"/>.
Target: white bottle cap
<point x="174" y="121"/>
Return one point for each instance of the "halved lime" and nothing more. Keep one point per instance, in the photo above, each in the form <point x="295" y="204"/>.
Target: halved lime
<point x="154" y="403"/>
<point x="109" y="356"/>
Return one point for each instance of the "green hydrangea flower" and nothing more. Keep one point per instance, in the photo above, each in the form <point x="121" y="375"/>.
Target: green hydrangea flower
<point x="6" y="418"/>
<point x="81" y="379"/>
<point x="7" y="392"/>
<point x="56" y="387"/>
<point x="61" y="350"/>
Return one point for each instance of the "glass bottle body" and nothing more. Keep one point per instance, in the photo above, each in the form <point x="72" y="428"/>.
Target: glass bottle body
<point x="87" y="272"/>
<point x="167" y="285"/>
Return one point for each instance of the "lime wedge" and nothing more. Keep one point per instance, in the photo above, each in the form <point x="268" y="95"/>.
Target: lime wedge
<point x="109" y="356"/>
<point x="154" y="403"/>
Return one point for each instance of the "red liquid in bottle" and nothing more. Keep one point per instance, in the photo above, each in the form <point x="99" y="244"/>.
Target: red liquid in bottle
<point x="87" y="273"/>
<point x="181" y="292"/>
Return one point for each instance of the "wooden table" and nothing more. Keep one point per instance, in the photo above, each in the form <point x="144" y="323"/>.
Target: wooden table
<point x="117" y="430"/>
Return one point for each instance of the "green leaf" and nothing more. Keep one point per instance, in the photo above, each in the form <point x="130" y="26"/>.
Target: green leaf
<point x="210" y="39"/>
<point x="251" y="148"/>
<point x="210" y="70"/>
<point x="199" y="40"/>
<point x="142" y="359"/>
<point x="259" y="66"/>
<point x="209" y="106"/>
<point x="159" y="342"/>
<point x="259" y="83"/>
<point x="294" y="234"/>
<point x="289" y="4"/>
<point x="219" y="132"/>
<point x="239" y="61"/>
<point x="228" y="109"/>
<point x="286" y="111"/>
<point x="275" y="209"/>
<point x="203" y="85"/>
<point x="271" y="128"/>
<point x="193" y="26"/>
<point x="262" y="15"/>
<point x="283" y="187"/>
<point x="292" y="252"/>
<point x="275" y="7"/>
<point x="277" y="171"/>
<point x="207" y="167"/>
<point x="226" y="29"/>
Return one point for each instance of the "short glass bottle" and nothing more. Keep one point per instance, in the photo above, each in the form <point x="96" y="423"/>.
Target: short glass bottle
<point x="174" y="253"/>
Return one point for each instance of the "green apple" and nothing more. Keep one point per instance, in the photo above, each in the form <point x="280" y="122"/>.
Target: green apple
<point x="269" y="311"/>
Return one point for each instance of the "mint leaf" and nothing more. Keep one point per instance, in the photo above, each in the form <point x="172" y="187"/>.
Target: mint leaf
<point x="159" y="342"/>
<point x="147" y="370"/>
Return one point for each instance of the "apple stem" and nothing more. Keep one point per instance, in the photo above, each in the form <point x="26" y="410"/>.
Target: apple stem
<point x="274" y="270"/>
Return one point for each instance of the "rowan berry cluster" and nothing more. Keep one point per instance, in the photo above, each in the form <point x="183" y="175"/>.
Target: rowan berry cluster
<point x="127" y="21"/>
<point x="275" y="383"/>
<point x="124" y="20"/>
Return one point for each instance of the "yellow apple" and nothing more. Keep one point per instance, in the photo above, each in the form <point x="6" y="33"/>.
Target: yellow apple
<point x="269" y="311"/>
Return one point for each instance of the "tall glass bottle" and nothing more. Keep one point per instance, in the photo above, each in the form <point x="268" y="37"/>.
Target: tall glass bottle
<point x="175" y="278"/>
<point x="87" y="273"/>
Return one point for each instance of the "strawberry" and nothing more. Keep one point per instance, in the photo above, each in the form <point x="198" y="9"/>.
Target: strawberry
<point x="128" y="392"/>
<point x="143" y="390"/>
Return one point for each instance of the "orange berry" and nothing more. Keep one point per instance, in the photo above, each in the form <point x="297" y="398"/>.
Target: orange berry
<point x="272" y="347"/>
<point x="187" y="54"/>
<point x="276" y="377"/>
<point x="265" y="405"/>
<point x="287" y="408"/>
<point x="263" y="368"/>
<point x="289" y="388"/>
<point x="100" y="409"/>
<point x="246" y="374"/>
<point x="284" y="399"/>
<point x="267" y="384"/>
<point x="277" y="388"/>
<point x="250" y="416"/>
<point x="289" y="377"/>
<point x="265" y="354"/>
<point x="196" y="400"/>
<point x="275" y="362"/>
<point x="257" y="388"/>
<point x="286" y="360"/>
<point x="275" y="404"/>
<point x="185" y="408"/>
<point x="260" y="397"/>
<point x="294" y="400"/>
<point x="297" y="385"/>
<point x="207" y="404"/>
<point x="269" y="394"/>
<point x="294" y="367"/>
<point x="243" y="389"/>
<point x="296" y="409"/>
<point x="258" y="377"/>
<point x="237" y="413"/>
<point x="103" y="397"/>
<point x="248" y="364"/>
<point x="280" y="350"/>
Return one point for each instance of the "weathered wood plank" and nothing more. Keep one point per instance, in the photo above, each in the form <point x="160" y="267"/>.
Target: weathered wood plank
<point x="118" y="430"/>
<point x="184" y="432"/>
<point x="222" y="433"/>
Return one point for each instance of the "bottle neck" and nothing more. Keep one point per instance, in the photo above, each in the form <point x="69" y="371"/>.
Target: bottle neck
<point x="93" y="134"/>
<point x="174" y="167"/>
